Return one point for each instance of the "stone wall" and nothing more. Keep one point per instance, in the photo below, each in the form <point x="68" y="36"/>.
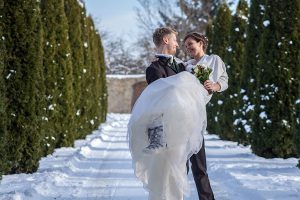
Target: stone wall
<point x="123" y="90"/>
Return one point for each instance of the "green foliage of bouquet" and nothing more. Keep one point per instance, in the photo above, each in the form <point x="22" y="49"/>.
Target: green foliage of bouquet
<point x="202" y="72"/>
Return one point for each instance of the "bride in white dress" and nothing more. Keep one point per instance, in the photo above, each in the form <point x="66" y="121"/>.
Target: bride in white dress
<point x="166" y="128"/>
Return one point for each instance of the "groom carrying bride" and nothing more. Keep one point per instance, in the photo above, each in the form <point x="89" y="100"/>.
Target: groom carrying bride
<point x="169" y="119"/>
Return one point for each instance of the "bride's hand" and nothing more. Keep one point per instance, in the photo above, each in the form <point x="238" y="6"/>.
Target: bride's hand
<point x="211" y="86"/>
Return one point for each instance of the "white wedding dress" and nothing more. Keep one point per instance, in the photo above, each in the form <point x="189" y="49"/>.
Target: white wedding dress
<point x="165" y="128"/>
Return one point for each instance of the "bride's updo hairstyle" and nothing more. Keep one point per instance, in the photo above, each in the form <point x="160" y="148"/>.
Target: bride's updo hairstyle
<point x="198" y="37"/>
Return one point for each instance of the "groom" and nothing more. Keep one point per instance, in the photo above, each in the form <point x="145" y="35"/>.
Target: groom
<point x="165" y="40"/>
<point x="167" y="65"/>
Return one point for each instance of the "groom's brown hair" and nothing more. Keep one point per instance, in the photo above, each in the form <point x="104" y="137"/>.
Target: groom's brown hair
<point x="160" y="33"/>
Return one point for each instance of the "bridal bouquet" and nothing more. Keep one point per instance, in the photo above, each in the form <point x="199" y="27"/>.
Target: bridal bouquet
<point x="201" y="72"/>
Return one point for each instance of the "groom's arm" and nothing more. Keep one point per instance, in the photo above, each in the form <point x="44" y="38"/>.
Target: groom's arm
<point x="152" y="74"/>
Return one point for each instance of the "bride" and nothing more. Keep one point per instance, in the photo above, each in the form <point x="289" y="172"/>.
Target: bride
<point x="167" y="122"/>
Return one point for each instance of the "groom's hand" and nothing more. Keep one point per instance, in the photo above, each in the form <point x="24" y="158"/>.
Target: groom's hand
<point x="211" y="86"/>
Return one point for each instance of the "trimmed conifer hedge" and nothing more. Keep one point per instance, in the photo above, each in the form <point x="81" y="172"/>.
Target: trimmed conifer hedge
<point x="250" y="73"/>
<point x="2" y="90"/>
<point x="264" y="75"/>
<point x="234" y="58"/>
<point x="52" y="80"/>
<point x="22" y="74"/>
<point x="273" y="135"/>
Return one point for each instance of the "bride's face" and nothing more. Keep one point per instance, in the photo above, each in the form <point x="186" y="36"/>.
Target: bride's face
<point x="192" y="47"/>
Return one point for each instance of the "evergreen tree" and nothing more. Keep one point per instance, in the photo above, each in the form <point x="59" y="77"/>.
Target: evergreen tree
<point x="103" y="89"/>
<point x="250" y="72"/>
<point x="209" y="35"/>
<point x="98" y="77"/>
<point x="273" y="134"/>
<point x="220" y="42"/>
<point x="94" y="71"/>
<point x="23" y="37"/>
<point x="50" y="67"/>
<point x="2" y="94"/>
<point x="221" y="30"/>
<point x="235" y="59"/>
<point x="294" y="26"/>
<point x="94" y="101"/>
<point x="65" y="81"/>
<point x="86" y="81"/>
<point x="58" y="75"/>
<point x="73" y="12"/>
<point x="296" y="128"/>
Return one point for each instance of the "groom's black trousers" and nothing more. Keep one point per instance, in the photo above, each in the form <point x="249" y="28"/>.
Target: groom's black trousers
<point x="200" y="175"/>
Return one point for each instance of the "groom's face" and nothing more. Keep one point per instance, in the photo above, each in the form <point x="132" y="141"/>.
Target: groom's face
<point x="171" y="42"/>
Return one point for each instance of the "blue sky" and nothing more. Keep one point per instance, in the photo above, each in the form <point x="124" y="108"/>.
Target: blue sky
<point x="116" y="16"/>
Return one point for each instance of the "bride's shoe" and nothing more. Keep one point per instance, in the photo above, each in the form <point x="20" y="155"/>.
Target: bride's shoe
<point x="156" y="137"/>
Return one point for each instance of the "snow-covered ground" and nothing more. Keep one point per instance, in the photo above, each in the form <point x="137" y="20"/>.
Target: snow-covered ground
<point x="100" y="168"/>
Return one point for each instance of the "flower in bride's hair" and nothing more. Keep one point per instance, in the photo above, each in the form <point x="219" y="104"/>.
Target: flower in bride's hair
<point x="201" y="72"/>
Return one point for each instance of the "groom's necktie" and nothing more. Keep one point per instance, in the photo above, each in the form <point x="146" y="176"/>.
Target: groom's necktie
<point x="171" y="63"/>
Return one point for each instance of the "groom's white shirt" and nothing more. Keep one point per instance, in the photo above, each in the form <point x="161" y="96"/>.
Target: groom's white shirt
<point x="169" y="56"/>
<point x="214" y="62"/>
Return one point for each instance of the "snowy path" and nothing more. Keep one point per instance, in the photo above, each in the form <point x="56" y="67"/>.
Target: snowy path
<point x="100" y="168"/>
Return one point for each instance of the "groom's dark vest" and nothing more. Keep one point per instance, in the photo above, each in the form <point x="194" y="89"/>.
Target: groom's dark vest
<point x="163" y="68"/>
